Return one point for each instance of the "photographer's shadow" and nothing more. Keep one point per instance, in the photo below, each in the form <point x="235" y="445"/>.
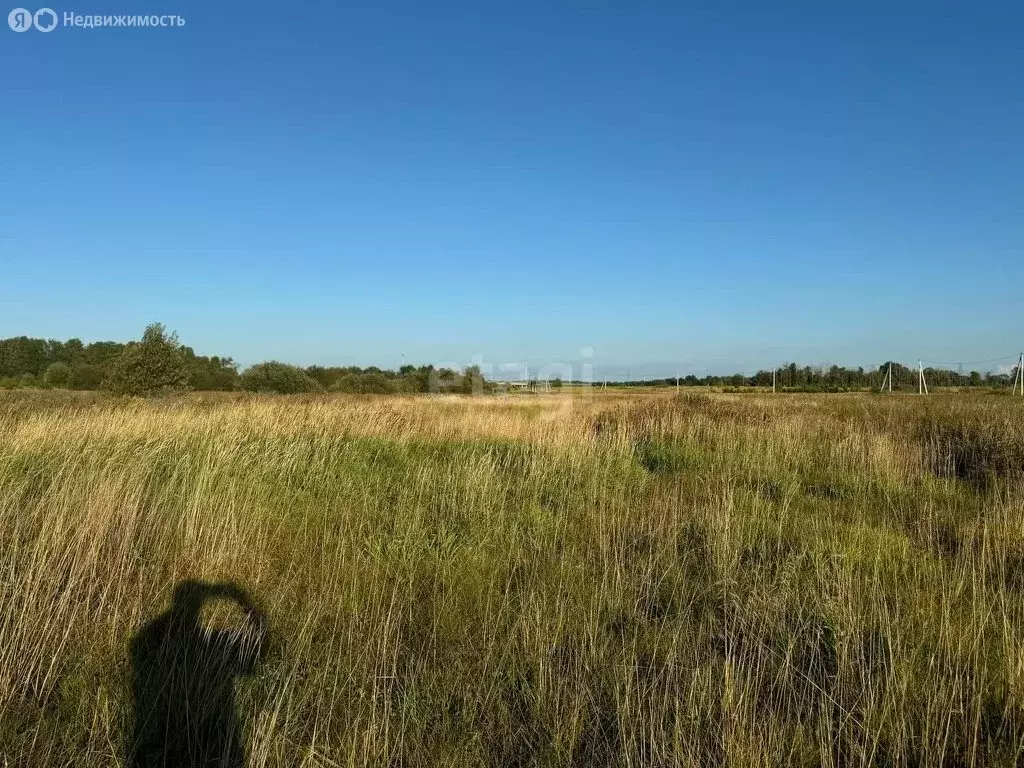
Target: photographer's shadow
<point x="184" y="682"/>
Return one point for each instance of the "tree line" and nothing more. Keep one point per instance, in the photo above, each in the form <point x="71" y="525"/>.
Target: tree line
<point x="836" y="378"/>
<point x="159" y="363"/>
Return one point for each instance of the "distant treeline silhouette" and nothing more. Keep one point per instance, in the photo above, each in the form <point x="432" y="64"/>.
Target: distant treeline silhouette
<point x="837" y="378"/>
<point x="158" y="363"/>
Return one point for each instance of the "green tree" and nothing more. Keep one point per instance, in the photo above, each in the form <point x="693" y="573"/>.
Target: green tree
<point x="57" y="374"/>
<point x="472" y="380"/>
<point x="152" y="366"/>
<point x="364" y="384"/>
<point x="85" y="376"/>
<point x="325" y="376"/>
<point x="278" y="377"/>
<point x="212" y="373"/>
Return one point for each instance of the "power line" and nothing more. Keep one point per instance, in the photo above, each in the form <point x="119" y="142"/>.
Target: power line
<point x="972" y="362"/>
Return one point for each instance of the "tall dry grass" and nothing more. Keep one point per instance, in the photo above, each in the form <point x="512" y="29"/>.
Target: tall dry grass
<point x="624" y="580"/>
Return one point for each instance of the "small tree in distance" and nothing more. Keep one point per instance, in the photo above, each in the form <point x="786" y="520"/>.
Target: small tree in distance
<point x="57" y="374"/>
<point x="152" y="366"/>
<point x="85" y="376"/>
<point x="278" y="377"/>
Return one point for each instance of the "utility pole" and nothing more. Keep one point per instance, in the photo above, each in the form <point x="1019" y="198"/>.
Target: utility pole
<point x="773" y="379"/>
<point x="922" y="385"/>
<point x="887" y="378"/>
<point x="1019" y="376"/>
<point x="677" y="379"/>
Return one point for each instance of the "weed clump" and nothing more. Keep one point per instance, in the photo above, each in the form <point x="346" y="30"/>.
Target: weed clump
<point x="980" y="454"/>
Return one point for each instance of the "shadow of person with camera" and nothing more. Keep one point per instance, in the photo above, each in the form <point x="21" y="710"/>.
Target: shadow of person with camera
<point x="184" y="676"/>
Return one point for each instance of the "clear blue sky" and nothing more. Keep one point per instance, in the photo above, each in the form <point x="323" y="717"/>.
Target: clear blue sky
<point x="728" y="185"/>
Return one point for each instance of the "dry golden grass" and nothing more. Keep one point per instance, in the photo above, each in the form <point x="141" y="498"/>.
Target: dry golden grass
<point x="612" y="579"/>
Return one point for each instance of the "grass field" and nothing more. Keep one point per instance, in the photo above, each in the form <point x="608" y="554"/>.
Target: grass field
<point x="619" y="579"/>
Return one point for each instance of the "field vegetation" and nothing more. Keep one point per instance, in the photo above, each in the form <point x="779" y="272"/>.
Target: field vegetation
<point x="574" y="579"/>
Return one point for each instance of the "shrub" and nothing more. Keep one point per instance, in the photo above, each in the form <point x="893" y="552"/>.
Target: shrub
<point x="58" y="374"/>
<point x="85" y="376"/>
<point x="278" y="377"/>
<point x="978" y="453"/>
<point x="154" y="365"/>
